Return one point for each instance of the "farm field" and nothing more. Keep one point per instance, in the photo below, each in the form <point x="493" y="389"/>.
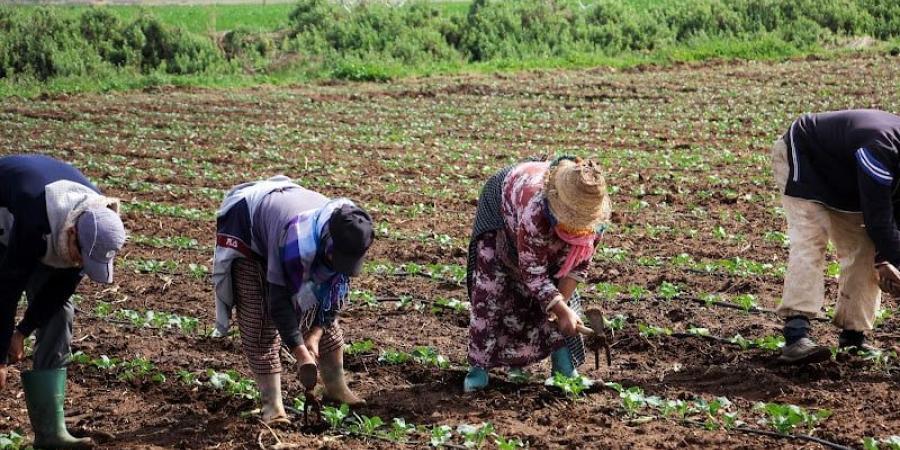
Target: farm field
<point x="696" y="221"/>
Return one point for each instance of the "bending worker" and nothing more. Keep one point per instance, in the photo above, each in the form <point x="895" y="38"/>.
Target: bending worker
<point x="54" y="226"/>
<point x="838" y="173"/>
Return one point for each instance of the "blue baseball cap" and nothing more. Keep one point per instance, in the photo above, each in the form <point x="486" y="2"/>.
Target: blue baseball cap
<point x="101" y="235"/>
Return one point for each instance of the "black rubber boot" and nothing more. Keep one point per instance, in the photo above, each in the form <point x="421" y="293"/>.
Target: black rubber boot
<point x="799" y="349"/>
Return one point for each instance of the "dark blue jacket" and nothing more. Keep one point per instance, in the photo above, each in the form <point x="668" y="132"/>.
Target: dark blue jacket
<point x="23" y="179"/>
<point x="850" y="161"/>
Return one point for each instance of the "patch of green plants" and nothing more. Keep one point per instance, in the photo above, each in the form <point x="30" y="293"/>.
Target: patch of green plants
<point x="156" y="319"/>
<point x="712" y="414"/>
<point x="573" y="387"/>
<point x="359" y="347"/>
<point x="784" y="418"/>
<point x="649" y="331"/>
<point x="888" y="443"/>
<point x="771" y="342"/>
<point x="233" y="383"/>
<point x="12" y="441"/>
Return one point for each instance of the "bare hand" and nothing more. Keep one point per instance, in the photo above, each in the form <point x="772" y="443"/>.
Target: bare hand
<point x="16" y="348"/>
<point x="3" y="370"/>
<point x="888" y="278"/>
<point x="566" y="320"/>
<point x="312" y="341"/>
<point x="303" y="355"/>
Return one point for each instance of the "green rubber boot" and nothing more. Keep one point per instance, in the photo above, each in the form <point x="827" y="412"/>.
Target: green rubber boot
<point x="476" y="379"/>
<point x="561" y="361"/>
<point x="45" y="394"/>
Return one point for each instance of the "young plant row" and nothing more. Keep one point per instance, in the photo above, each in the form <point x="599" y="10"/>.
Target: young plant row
<point x="173" y="242"/>
<point x="735" y="266"/>
<point x="407" y="302"/>
<point x="426" y="356"/>
<point x="139" y="370"/>
<point x="149" y="318"/>
<point x="166" y="267"/>
<point x="400" y="432"/>
<point x="716" y="414"/>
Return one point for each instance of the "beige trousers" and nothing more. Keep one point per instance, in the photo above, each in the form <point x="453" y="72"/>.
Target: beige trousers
<point x="810" y="226"/>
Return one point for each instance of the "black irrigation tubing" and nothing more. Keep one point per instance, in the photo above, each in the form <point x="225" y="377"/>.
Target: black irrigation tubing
<point x="801" y="437"/>
<point x="718" y="303"/>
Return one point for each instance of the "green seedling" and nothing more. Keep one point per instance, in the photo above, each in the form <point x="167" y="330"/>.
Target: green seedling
<point x="475" y="436"/>
<point x="233" y="383"/>
<point x="450" y="303"/>
<point x="199" y="271"/>
<point x="695" y="331"/>
<point x="103" y="309"/>
<point x="572" y="387"/>
<point x="649" y="331"/>
<point x="607" y="291"/>
<point x="187" y="377"/>
<point x="508" y="444"/>
<point x="400" y="430"/>
<point x="881" y="359"/>
<point x="429" y="356"/>
<point x="440" y="435"/>
<point x="365" y="425"/>
<point x="668" y="291"/>
<point x="335" y="416"/>
<point x="616" y="323"/>
<point x="747" y="302"/>
<point x="394" y="357"/>
<point x="365" y="297"/>
<point x="139" y="369"/>
<point x="637" y="292"/>
<point x="359" y="347"/>
<point x="882" y="315"/>
<point x="785" y="417"/>
<point x="12" y="441"/>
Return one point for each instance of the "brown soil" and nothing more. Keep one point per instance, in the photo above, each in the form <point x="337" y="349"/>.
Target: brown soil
<point x="690" y="141"/>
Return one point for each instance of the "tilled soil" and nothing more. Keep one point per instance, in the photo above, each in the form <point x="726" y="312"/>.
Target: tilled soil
<point x="686" y="151"/>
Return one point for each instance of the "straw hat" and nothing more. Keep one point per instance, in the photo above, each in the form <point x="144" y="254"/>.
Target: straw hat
<point x="576" y="192"/>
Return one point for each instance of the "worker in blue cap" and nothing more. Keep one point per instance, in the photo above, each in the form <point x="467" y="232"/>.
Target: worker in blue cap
<point x="55" y="227"/>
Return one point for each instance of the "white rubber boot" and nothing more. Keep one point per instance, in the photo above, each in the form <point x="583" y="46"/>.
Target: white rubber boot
<point x="331" y="368"/>
<point x="270" y="395"/>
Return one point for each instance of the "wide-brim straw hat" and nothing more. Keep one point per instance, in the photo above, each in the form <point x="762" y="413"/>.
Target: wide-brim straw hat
<point x="577" y="196"/>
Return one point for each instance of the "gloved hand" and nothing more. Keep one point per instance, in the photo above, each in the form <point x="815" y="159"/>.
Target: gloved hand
<point x="888" y="278"/>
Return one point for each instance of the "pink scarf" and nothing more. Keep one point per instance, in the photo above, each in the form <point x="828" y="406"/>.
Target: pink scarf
<point x="581" y="249"/>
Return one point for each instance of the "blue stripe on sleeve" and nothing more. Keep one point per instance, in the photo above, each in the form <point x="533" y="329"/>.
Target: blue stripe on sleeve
<point x="872" y="167"/>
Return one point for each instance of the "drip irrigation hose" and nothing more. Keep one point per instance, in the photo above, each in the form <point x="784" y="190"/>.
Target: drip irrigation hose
<point x="775" y="434"/>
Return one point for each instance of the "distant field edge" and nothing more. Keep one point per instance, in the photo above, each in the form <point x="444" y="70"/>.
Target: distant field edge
<point x="74" y="49"/>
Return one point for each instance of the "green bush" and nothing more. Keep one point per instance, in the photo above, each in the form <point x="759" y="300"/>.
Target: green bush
<point x="42" y="43"/>
<point x="375" y="41"/>
<point x="412" y="34"/>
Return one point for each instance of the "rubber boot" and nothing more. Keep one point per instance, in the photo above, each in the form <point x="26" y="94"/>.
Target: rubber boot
<point x="331" y="367"/>
<point x="270" y="395"/>
<point x="45" y="396"/>
<point x="476" y="379"/>
<point x="854" y="342"/>
<point x="561" y="362"/>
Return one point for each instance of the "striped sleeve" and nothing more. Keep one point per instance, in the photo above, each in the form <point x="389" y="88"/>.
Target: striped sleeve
<point x="872" y="167"/>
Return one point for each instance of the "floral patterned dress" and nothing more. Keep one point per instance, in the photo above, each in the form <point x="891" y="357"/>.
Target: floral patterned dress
<point x="513" y="285"/>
